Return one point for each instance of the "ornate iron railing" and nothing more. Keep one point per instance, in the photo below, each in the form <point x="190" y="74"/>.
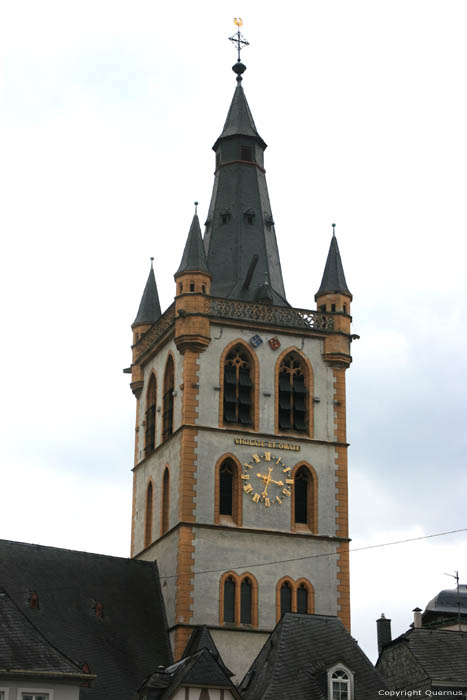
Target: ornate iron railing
<point x="276" y="315"/>
<point x="154" y="333"/>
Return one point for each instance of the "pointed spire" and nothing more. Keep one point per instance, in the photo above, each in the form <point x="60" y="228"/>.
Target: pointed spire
<point x="194" y="258"/>
<point x="239" y="120"/>
<point x="149" y="308"/>
<point x="333" y="281"/>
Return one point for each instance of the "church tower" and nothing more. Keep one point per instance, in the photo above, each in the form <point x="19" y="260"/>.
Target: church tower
<point x="240" y="476"/>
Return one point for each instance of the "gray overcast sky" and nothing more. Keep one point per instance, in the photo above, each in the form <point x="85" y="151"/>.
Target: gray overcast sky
<point x="108" y="111"/>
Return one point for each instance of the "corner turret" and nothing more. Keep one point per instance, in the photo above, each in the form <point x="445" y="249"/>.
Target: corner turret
<point x="333" y="296"/>
<point x="193" y="284"/>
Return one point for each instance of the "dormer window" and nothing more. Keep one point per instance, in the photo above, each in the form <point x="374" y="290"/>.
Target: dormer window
<point x="340" y="683"/>
<point x="246" y="153"/>
<point x="249" y="216"/>
<point x="225" y="216"/>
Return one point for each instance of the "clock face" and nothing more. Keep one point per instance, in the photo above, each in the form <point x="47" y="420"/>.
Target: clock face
<point x="267" y="479"/>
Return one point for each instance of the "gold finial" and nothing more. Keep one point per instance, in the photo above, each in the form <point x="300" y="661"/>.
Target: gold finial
<point x="238" y="21"/>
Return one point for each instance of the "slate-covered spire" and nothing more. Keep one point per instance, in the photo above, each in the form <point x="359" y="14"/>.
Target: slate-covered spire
<point x="240" y="240"/>
<point x="149" y="308"/>
<point x="193" y="258"/>
<point x="333" y="281"/>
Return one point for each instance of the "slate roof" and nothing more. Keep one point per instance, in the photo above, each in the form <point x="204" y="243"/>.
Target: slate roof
<point x="447" y="601"/>
<point x="239" y="120"/>
<point x="24" y="649"/>
<point x="149" y="310"/>
<point x="333" y="277"/>
<point x="201" y="639"/>
<point x="193" y="258"/>
<point x="294" y="661"/>
<point x="441" y="653"/>
<point x="124" y="645"/>
<point x="199" y="669"/>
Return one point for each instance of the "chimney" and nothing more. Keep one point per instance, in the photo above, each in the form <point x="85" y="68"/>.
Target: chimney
<point x="417" y="618"/>
<point x="383" y="630"/>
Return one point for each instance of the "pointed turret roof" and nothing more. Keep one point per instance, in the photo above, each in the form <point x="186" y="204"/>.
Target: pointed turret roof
<point x="149" y="308"/>
<point x="240" y="239"/>
<point x="201" y="639"/>
<point x="333" y="281"/>
<point x="239" y="120"/>
<point x="194" y="257"/>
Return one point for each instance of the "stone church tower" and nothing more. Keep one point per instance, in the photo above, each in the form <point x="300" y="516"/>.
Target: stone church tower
<point x="240" y="476"/>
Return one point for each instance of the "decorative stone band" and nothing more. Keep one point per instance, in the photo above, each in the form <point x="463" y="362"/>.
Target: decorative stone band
<point x="243" y="311"/>
<point x="275" y="315"/>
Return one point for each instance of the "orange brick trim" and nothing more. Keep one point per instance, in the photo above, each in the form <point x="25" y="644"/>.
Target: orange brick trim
<point x="237" y="495"/>
<point x="238" y="584"/>
<point x="133" y="517"/>
<point x="165" y="500"/>
<point x="309" y="381"/>
<point x="343" y="585"/>
<point x="188" y="442"/>
<point x="254" y="378"/>
<point x="184" y="586"/>
<point x="312" y="500"/>
<point x="294" y="586"/>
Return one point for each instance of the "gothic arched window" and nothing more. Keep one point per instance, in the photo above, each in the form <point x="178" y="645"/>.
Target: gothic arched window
<point x="286" y="598"/>
<point x="150" y="417"/>
<point x="238" y="387"/>
<point x="293" y="394"/>
<point x="302" y="484"/>
<point x="165" y="501"/>
<point x="229" y="599"/>
<point x="148" y="516"/>
<point x="226" y="482"/>
<point x="168" y="400"/>
<point x="239" y="599"/>
<point x="302" y="599"/>
<point x="228" y="495"/>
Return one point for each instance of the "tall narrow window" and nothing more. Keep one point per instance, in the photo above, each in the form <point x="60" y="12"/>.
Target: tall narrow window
<point x="168" y="400"/>
<point x="302" y="599"/>
<point x="148" y="516"/>
<point x="286" y="598"/>
<point x="292" y="394"/>
<point x="238" y="388"/>
<point x="246" y="600"/>
<point x="226" y="483"/>
<point x="150" y="417"/>
<point x="165" y="501"/>
<point x="302" y="496"/>
<point x="229" y="599"/>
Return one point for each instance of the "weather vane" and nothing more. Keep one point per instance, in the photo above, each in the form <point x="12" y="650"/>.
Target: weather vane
<point x="238" y="37"/>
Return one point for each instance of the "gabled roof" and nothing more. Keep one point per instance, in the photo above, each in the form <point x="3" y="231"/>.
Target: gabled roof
<point x="333" y="277"/>
<point x="201" y="639"/>
<point x="149" y="310"/>
<point x="239" y="120"/>
<point x="25" y="650"/>
<point x="121" y="646"/>
<point x="295" y="659"/>
<point x="194" y="257"/>
<point x="442" y="654"/>
<point x="199" y="669"/>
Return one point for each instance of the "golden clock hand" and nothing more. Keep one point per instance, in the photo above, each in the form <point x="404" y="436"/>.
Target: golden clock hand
<point x="278" y="483"/>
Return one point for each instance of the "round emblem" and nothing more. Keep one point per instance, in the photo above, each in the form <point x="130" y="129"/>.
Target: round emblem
<point x="267" y="479"/>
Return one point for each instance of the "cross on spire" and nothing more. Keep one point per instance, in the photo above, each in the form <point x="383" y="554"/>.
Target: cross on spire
<point x="238" y="37"/>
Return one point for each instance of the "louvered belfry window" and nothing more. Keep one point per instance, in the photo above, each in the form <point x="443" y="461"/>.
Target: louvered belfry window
<point x="238" y="388"/>
<point x="168" y="400"/>
<point x="292" y="394"/>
